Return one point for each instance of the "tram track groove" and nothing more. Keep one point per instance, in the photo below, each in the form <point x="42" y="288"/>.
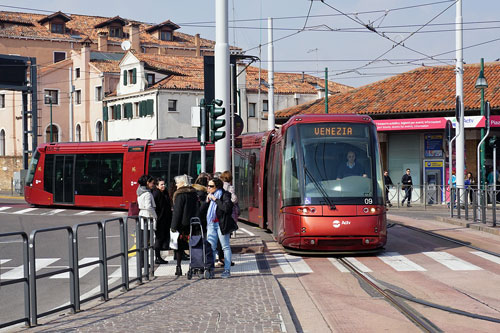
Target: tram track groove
<point x="420" y="321"/>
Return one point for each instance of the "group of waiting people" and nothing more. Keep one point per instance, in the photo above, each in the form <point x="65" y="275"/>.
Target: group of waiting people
<point x="211" y="198"/>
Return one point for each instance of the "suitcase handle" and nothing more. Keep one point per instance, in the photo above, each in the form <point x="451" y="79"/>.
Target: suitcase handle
<point x="195" y="220"/>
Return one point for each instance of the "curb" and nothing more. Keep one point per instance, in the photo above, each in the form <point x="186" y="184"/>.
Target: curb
<point x="471" y="225"/>
<point x="11" y="197"/>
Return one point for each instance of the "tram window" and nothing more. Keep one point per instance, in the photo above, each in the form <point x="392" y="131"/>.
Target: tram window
<point x="32" y="168"/>
<point x="290" y="179"/>
<point x="99" y="174"/>
<point x="48" y="173"/>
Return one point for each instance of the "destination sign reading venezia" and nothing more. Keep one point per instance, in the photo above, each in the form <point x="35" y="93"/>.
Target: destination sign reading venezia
<point x="333" y="131"/>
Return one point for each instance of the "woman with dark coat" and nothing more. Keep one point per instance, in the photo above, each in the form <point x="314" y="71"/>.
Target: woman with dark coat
<point x="218" y="208"/>
<point x="186" y="206"/>
<point x="164" y="213"/>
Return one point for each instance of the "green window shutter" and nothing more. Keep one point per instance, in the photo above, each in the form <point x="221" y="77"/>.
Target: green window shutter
<point x="142" y="108"/>
<point x="118" y="108"/>
<point x="134" y="76"/>
<point x="124" y="78"/>
<point x="105" y="113"/>
<point x="150" y="104"/>
<point x="128" y="110"/>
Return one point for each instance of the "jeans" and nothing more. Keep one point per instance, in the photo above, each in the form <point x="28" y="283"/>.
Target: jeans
<point x="214" y="233"/>
<point x="407" y="194"/>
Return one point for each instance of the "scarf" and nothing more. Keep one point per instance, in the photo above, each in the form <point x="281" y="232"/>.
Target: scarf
<point x="211" y="214"/>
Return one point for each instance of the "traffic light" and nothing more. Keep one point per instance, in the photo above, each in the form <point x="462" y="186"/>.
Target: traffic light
<point x="215" y="112"/>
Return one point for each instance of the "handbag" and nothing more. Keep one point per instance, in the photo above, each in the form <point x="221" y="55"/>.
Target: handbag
<point x="133" y="209"/>
<point x="174" y="237"/>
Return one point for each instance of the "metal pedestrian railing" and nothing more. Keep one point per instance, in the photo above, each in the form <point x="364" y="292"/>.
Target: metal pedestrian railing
<point x="144" y="267"/>
<point x="468" y="202"/>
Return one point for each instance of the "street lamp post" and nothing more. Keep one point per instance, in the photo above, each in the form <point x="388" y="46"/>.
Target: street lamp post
<point x="49" y="97"/>
<point x="482" y="84"/>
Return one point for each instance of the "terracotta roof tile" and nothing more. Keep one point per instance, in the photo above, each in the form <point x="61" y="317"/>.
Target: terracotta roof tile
<point x="291" y="83"/>
<point x="426" y="89"/>
<point x="107" y="66"/>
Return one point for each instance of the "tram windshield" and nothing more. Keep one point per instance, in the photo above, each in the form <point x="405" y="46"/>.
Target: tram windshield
<point x="331" y="164"/>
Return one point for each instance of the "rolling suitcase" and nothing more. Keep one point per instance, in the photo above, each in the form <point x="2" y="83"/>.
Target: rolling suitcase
<point x="201" y="257"/>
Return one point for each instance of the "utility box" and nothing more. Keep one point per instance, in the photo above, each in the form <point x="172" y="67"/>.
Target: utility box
<point x="195" y="116"/>
<point x="19" y="180"/>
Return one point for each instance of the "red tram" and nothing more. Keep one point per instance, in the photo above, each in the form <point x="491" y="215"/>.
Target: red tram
<point x="294" y="181"/>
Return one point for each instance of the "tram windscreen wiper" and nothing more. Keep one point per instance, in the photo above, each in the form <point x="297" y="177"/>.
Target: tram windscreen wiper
<point x="320" y="189"/>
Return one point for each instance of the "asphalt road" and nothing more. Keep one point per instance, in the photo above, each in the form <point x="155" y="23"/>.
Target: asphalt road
<point x="52" y="252"/>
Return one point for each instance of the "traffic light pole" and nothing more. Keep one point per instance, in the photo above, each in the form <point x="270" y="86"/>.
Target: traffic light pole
<point x="203" y="136"/>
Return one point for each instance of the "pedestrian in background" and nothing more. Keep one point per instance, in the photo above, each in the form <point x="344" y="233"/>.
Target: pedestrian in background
<point x="186" y="206"/>
<point x="407" y="187"/>
<point x="147" y="207"/>
<point x="387" y="183"/>
<point x="470" y="182"/>
<point x="200" y="185"/>
<point x="220" y="223"/>
<point x="163" y="221"/>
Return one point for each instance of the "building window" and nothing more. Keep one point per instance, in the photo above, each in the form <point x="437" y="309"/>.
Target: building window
<point x="59" y="56"/>
<point x="132" y="76"/>
<point x="2" y="143"/>
<point x="172" y="105"/>
<point x="50" y="96"/>
<point x="98" y="94"/>
<point x="98" y="131"/>
<point x="151" y="79"/>
<point x="78" y="97"/>
<point x="78" y="133"/>
<point x="251" y="109"/>
<point x="55" y="134"/>
<point x="166" y="35"/>
<point x="77" y="73"/>
<point x="2" y="101"/>
<point x="57" y="28"/>
<point x="265" y="105"/>
<point x="136" y="109"/>
<point x="116" y="32"/>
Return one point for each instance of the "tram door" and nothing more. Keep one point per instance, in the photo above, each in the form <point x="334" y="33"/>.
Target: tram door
<point x="63" y="179"/>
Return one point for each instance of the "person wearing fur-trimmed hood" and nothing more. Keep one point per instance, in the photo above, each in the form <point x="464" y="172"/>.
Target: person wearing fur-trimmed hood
<point x="186" y="206"/>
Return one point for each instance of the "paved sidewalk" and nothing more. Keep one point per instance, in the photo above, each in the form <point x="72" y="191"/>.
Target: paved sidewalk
<point x="243" y="303"/>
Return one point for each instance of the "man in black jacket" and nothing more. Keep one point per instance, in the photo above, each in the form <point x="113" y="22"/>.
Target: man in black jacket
<point x="407" y="186"/>
<point x="387" y="183"/>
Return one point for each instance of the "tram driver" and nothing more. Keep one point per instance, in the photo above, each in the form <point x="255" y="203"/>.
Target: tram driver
<point x="351" y="168"/>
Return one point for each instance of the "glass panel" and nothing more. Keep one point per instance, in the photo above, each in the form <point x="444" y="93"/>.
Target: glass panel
<point x="99" y="174"/>
<point x="32" y="168"/>
<point x="59" y="179"/>
<point x="337" y="160"/>
<point x="48" y="174"/>
<point x="68" y="179"/>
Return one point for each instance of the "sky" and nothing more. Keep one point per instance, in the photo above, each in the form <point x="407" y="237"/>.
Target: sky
<point x="359" y="41"/>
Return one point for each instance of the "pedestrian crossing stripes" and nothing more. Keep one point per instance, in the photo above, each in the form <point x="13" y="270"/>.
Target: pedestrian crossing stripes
<point x="4" y="208"/>
<point x="452" y="262"/>
<point x="53" y="212"/>
<point x="487" y="256"/>
<point x="246" y="263"/>
<point x="85" y="212"/>
<point x="400" y="263"/>
<point x="24" y="211"/>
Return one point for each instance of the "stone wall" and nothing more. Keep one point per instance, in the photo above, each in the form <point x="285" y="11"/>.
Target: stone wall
<point x="8" y="165"/>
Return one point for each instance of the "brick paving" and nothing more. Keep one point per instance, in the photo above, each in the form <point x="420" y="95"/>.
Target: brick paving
<point x="250" y="302"/>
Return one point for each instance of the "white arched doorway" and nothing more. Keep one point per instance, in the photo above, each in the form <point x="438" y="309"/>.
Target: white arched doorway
<point x="55" y="134"/>
<point x="2" y="143"/>
<point x="98" y="131"/>
<point x="78" y="133"/>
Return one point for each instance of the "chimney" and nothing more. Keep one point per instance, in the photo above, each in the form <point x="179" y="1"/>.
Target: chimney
<point x="135" y="40"/>
<point x="197" y="44"/>
<point x="102" y="41"/>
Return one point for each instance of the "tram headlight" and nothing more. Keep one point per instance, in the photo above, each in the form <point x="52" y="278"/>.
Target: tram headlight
<point x="373" y="210"/>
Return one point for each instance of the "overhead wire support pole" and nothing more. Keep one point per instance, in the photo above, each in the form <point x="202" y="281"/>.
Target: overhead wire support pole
<point x="222" y="84"/>
<point x="270" y="75"/>
<point x="326" y="90"/>
<point x="460" y="142"/>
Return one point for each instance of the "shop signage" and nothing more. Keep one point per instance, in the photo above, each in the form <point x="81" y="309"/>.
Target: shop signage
<point x="413" y="124"/>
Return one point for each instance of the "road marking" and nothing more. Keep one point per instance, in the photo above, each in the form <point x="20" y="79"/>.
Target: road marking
<point x="400" y="263"/>
<point x="18" y="272"/>
<point x="291" y="264"/>
<point x="27" y="210"/>
<point x="356" y="263"/>
<point x="119" y="213"/>
<point x="82" y="272"/>
<point x="96" y="237"/>
<point x="85" y="212"/>
<point x="3" y="261"/>
<point x="486" y="256"/>
<point x="53" y="212"/>
<point x="248" y="232"/>
<point x="451" y="261"/>
<point x="335" y="262"/>
<point x="244" y="263"/>
<point x="4" y="208"/>
<point x="132" y="269"/>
